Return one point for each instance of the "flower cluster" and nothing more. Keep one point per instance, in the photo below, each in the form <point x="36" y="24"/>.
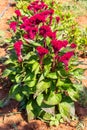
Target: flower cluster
<point x="37" y="5"/>
<point x="40" y="25"/>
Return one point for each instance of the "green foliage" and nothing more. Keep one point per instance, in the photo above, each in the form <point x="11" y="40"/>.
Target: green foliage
<point x="44" y="85"/>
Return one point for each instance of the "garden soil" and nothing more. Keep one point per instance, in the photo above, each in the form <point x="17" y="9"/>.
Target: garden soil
<point x="10" y="117"/>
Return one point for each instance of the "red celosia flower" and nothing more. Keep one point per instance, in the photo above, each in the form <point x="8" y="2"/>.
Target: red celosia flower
<point x="73" y="45"/>
<point x="18" y="13"/>
<point x="42" y="51"/>
<point x="37" y="5"/>
<point x="13" y="25"/>
<point x="41" y="17"/>
<point x="18" y="47"/>
<point x="24" y="18"/>
<point x="66" y="57"/>
<point x="25" y="23"/>
<point x="26" y="36"/>
<point x="47" y="13"/>
<point x="44" y="30"/>
<point x="36" y="19"/>
<point x="58" y="44"/>
<point x="31" y="32"/>
<point x="53" y="2"/>
<point x="52" y="35"/>
<point x="51" y="17"/>
<point x="57" y="19"/>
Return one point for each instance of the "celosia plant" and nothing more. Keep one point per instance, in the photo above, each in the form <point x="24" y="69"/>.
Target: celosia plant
<point x="41" y="66"/>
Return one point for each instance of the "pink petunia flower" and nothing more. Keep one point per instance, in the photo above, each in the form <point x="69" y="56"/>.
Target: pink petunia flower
<point x="18" y="47"/>
<point x="13" y="25"/>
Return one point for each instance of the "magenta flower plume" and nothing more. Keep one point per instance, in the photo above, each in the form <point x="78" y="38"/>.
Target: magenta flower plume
<point x="57" y="19"/>
<point x="18" y="13"/>
<point x="24" y="18"/>
<point x="36" y="19"/>
<point x="13" y="25"/>
<point x="52" y="35"/>
<point x="40" y="17"/>
<point x="37" y="5"/>
<point x="18" y="47"/>
<point x="65" y="58"/>
<point x="42" y="51"/>
<point x="73" y="45"/>
<point x="31" y="32"/>
<point x="44" y="30"/>
<point x="58" y="44"/>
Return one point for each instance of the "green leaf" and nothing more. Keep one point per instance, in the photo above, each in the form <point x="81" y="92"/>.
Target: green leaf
<point x="48" y="40"/>
<point x="52" y="75"/>
<point x="46" y="116"/>
<point x="6" y="73"/>
<point x="25" y="91"/>
<point x="27" y="56"/>
<point x="53" y="99"/>
<point x="59" y="83"/>
<point x="41" y="77"/>
<point x="78" y="86"/>
<point x="64" y="84"/>
<point x="55" y="119"/>
<point x="40" y="99"/>
<point x="29" y="109"/>
<point x="18" y="78"/>
<point x="74" y="95"/>
<point x="35" y="67"/>
<point x="54" y="123"/>
<point x="31" y="83"/>
<point x="8" y="61"/>
<point x="78" y="73"/>
<point x="67" y="110"/>
<point x="33" y="110"/>
<point x="15" y="93"/>
<point x="33" y="43"/>
<point x="42" y="86"/>
<point x="29" y="77"/>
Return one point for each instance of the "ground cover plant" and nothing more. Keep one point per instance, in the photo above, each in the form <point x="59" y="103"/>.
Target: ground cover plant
<point x="41" y="64"/>
<point x="78" y="7"/>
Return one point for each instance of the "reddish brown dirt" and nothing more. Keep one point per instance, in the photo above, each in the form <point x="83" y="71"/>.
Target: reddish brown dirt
<point x="82" y="20"/>
<point x="10" y="119"/>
